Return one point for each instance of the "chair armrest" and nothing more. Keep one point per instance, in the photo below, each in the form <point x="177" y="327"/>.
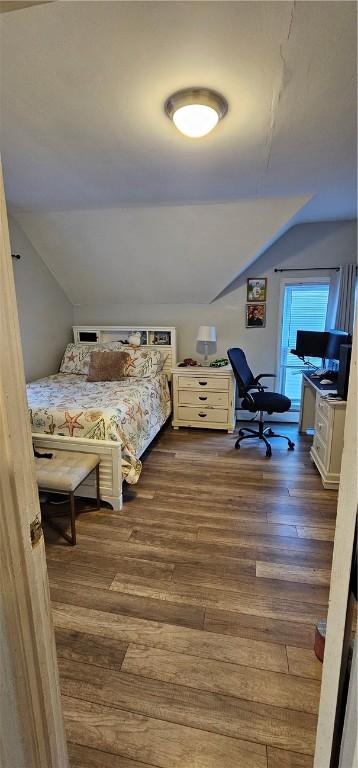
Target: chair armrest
<point x="264" y="376"/>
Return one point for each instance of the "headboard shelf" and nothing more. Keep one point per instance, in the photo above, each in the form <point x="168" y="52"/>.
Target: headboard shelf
<point x="152" y="337"/>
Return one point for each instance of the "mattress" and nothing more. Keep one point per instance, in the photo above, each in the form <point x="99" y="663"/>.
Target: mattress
<point x="130" y="411"/>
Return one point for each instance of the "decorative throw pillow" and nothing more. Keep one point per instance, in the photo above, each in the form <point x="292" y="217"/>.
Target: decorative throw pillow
<point x="76" y="358"/>
<point x="108" y="366"/>
<point x="145" y="362"/>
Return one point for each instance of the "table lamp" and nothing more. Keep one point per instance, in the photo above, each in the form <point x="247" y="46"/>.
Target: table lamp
<point x="207" y="337"/>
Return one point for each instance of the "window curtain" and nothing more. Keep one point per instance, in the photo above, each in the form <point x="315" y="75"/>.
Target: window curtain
<point x="340" y="310"/>
<point x="332" y="305"/>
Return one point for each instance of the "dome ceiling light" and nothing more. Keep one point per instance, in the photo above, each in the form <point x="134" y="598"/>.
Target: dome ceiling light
<point x="196" y="111"/>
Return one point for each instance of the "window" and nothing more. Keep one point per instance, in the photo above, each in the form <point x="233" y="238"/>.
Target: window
<point x="304" y="307"/>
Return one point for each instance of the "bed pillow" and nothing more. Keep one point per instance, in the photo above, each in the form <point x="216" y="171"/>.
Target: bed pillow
<point x="76" y="358"/>
<point x="144" y="362"/>
<point x="108" y="366"/>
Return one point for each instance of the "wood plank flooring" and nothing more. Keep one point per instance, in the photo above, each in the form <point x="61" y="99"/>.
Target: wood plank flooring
<point x="185" y="624"/>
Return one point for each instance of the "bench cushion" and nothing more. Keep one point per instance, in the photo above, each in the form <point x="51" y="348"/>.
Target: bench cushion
<point x="65" y="471"/>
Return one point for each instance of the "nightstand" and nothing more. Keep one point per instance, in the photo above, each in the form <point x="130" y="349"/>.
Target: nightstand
<point x="204" y="397"/>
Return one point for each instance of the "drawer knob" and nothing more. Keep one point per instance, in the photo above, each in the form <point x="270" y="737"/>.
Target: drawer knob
<point x="203" y="398"/>
<point x="203" y="415"/>
<point x="203" y="383"/>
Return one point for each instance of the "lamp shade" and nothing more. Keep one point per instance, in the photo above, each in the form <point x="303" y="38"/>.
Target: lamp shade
<point x="207" y="333"/>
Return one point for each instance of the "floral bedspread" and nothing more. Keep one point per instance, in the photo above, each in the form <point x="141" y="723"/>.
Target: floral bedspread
<point x="130" y="411"/>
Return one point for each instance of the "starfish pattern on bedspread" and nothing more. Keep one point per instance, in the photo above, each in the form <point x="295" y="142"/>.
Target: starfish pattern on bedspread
<point x="129" y="411"/>
<point x="71" y="423"/>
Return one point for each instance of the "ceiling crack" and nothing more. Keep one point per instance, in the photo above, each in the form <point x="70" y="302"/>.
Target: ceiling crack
<point x="284" y="79"/>
<point x="293" y="8"/>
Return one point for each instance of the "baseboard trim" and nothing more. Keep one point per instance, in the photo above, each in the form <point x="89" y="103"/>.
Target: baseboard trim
<point x="291" y="417"/>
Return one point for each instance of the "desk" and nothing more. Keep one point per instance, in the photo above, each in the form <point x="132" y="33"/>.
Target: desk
<point x="326" y="417"/>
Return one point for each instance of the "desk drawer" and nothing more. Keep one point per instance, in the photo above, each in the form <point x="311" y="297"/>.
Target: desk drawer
<point x="322" y="428"/>
<point x="323" y="409"/>
<point x="217" y="415"/>
<point x="204" y="383"/>
<point x="320" y="449"/>
<point x="203" y="398"/>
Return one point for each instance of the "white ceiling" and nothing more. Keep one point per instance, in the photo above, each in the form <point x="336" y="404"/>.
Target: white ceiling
<point x="83" y="86"/>
<point x="121" y="206"/>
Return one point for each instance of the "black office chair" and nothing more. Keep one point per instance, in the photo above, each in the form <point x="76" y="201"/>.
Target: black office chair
<point x="260" y="401"/>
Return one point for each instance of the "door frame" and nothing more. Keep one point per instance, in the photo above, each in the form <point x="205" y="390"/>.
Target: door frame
<point x="32" y="731"/>
<point x="340" y="603"/>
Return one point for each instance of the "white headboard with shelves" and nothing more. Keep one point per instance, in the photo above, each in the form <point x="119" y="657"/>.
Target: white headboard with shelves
<point x="152" y="337"/>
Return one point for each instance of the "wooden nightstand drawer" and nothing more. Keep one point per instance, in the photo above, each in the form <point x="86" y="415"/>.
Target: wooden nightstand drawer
<point x="214" y="415"/>
<point x="217" y="383"/>
<point x="203" y="398"/>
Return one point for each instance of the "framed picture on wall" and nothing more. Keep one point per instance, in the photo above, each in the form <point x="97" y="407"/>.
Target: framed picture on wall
<point x="256" y="288"/>
<point x="255" y="315"/>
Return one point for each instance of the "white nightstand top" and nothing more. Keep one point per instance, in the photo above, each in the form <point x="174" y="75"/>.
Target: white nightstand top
<point x="202" y="370"/>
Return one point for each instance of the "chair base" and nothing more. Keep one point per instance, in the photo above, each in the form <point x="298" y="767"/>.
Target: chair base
<point x="262" y="434"/>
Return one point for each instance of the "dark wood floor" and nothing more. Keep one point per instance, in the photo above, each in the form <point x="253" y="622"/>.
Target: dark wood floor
<point x="185" y="624"/>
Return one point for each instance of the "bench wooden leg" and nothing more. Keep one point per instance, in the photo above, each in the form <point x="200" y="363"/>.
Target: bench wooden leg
<point x="73" y="518"/>
<point x="52" y="524"/>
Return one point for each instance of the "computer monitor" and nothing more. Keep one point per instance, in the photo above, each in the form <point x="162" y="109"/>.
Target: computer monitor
<point x="334" y="342"/>
<point x="311" y="344"/>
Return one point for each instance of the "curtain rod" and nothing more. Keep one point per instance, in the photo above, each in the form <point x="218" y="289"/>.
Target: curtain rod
<point x="307" y="269"/>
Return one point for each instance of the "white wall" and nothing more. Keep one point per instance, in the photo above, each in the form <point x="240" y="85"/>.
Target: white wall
<point x="45" y="313"/>
<point x="305" y="245"/>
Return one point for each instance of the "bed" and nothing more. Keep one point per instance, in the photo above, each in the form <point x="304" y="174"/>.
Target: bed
<point x="115" y="419"/>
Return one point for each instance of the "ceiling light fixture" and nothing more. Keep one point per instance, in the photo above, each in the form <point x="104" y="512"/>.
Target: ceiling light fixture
<point x="196" y="111"/>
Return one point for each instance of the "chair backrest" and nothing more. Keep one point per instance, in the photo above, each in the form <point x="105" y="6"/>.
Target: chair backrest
<point x="243" y="374"/>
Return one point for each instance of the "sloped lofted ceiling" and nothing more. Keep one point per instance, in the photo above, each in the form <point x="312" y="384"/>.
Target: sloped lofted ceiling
<point x="164" y="254"/>
<point x="101" y="181"/>
<point x="9" y="6"/>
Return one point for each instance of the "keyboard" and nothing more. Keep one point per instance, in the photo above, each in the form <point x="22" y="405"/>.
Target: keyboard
<point x="325" y="373"/>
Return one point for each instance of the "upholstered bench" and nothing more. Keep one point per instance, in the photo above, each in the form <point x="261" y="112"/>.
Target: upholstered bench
<point x="63" y="473"/>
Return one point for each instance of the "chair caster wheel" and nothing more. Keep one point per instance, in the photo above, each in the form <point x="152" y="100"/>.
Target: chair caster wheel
<point x="241" y="433"/>
<point x="291" y="446"/>
<point x="268" y="453"/>
<point x="237" y="446"/>
<point x="269" y="433"/>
